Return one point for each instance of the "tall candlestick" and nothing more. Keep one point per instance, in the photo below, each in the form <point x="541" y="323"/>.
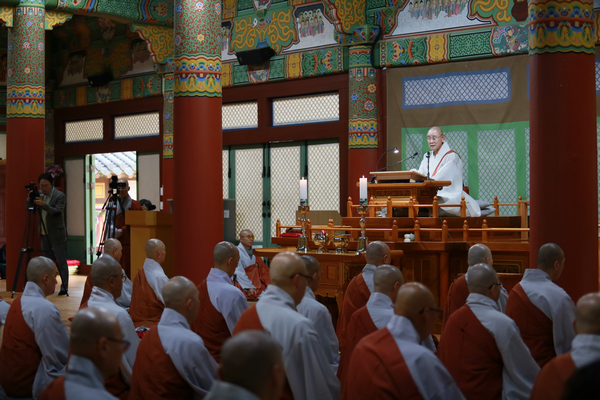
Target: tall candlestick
<point x="303" y="190"/>
<point x="363" y="189"/>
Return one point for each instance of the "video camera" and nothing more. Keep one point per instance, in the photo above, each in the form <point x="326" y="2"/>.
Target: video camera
<point x="115" y="186"/>
<point x="34" y="193"/>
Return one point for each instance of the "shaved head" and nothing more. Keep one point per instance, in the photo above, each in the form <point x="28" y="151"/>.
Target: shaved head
<point x="289" y="273"/>
<point x="479" y="254"/>
<point x="177" y="291"/>
<point x="386" y="277"/>
<point x="38" y="267"/>
<point x="481" y="277"/>
<point x="416" y="303"/>
<point x="153" y="246"/>
<point x="548" y="255"/>
<point x="89" y="325"/>
<point x="103" y="269"/>
<point x="587" y="314"/>
<point x="437" y="130"/>
<point x="255" y="348"/>
<point x="224" y="251"/>
<point x="377" y="252"/>
<point x="110" y="245"/>
<point x="312" y="264"/>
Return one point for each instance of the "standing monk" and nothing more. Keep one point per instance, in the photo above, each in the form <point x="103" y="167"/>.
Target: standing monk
<point x="308" y="373"/>
<point x="221" y="303"/>
<point x="459" y="289"/>
<point x="392" y="364"/>
<point x="360" y="288"/>
<point x="252" y="274"/>
<point x="319" y="314"/>
<point x="542" y="310"/>
<point x="585" y="350"/>
<point x="172" y="362"/>
<point x="147" y="303"/>
<point x="35" y="344"/>
<point x="482" y="348"/>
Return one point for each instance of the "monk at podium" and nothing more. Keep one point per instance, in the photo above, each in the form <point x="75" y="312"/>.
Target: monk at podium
<point x="251" y="274"/>
<point x="444" y="164"/>
<point x="542" y="310"/>
<point x="147" y="303"/>
<point x="585" y="350"/>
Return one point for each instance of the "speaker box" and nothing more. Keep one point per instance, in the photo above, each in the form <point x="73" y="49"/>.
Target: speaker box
<point x="100" y="80"/>
<point x="255" y="56"/>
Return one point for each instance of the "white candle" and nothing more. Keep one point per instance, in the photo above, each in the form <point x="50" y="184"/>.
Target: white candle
<point x="363" y="189"/>
<point x="303" y="190"/>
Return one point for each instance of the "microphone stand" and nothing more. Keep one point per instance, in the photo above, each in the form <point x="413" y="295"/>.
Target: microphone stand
<point x="401" y="161"/>
<point x="428" y="155"/>
<point x="395" y="149"/>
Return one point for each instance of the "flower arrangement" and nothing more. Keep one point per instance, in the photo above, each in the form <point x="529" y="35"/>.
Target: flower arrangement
<point x="55" y="170"/>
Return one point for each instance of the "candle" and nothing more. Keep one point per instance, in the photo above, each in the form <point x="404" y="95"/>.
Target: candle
<point x="303" y="190"/>
<point x="363" y="189"/>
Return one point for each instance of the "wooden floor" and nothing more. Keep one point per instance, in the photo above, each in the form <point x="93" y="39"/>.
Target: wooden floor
<point x="67" y="306"/>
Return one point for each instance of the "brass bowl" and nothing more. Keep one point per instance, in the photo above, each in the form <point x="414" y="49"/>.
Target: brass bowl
<point x="341" y="242"/>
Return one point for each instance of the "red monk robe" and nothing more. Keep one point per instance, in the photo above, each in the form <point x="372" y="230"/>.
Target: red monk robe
<point x="249" y="321"/>
<point x="125" y="238"/>
<point x="457" y="297"/>
<point x="87" y="292"/>
<point x="377" y="370"/>
<point x="154" y="374"/>
<point x="20" y="355"/>
<point x="535" y="327"/>
<point x="259" y="275"/>
<point x="469" y="352"/>
<point x="145" y="308"/>
<point x="361" y="325"/>
<point x="552" y="379"/>
<point x="54" y="391"/>
<point x="210" y="324"/>
<point x="356" y="296"/>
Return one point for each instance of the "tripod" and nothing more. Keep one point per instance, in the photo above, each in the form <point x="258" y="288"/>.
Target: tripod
<point x="111" y="205"/>
<point x="27" y="242"/>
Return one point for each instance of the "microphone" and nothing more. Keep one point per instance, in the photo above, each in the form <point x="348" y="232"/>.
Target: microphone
<point x="401" y="161"/>
<point x="394" y="149"/>
<point x="428" y="155"/>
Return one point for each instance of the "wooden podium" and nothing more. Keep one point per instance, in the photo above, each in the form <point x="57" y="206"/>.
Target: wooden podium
<point x="146" y="225"/>
<point x="402" y="185"/>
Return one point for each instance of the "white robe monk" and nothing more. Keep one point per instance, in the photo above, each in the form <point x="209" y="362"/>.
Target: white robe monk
<point x="321" y="318"/>
<point x="447" y="166"/>
<point x="35" y="344"/>
<point x="306" y="367"/>
<point x="544" y="313"/>
<point x="392" y="364"/>
<point x="124" y="299"/>
<point x="147" y="303"/>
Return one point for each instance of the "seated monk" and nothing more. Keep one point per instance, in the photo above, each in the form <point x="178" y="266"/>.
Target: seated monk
<point x="585" y="350"/>
<point x="113" y="248"/>
<point x="251" y="274"/>
<point x="35" y="344"/>
<point x="146" y="299"/>
<point x="172" y="362"/>
<point x="482" y="348"/>
<point x="542" y="310"/>
<point x="459" y="289"/>
<point x="97" y="346"/>
<point x="308" y="373"/>
<point x="108" y="281"/>
<point x="319" y="314"/>
<point x="264" y="381"/>
<point x="221" y="303"/>
<point x="374" y="315"/>
<point x="360" y="288"/>
<point x="391" y="363"/>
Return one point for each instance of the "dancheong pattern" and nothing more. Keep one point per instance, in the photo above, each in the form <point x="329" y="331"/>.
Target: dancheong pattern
<point x="362" y="124"/>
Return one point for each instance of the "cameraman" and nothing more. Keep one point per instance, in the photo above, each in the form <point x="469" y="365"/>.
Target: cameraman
<point x="125" y="203"/>
<point x="54" y="239"/>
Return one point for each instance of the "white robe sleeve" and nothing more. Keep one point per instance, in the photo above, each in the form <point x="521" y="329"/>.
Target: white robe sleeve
<point x="234" y="311"/>
<point x="242" y="278"/>
<point x="195" y="364"/>
<point x="562" y="326"/>
<point x="125" y="298"/>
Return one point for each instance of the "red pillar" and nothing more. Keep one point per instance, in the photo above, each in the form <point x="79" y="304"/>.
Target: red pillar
<point x="197" y="138"/>
<point x="24" y="127"/>
<point x="564" y="180"/>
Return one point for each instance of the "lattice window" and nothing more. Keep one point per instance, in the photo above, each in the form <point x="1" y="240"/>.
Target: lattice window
<point x="285" y="190"/>
<point x="414" y="142"/>
<point x="324" y="176"/>
<point x="498" y="168"/>
<point x="138" y="125"/>
<point x="240" y="116"/>
<point x="83" y="131"/>
<point x="527" y="148"/>
<point x="306" y="109"/>
<point x="225" y="174"/>
<point x="249" y="191"/>
<point x="459" y="142"/>
<point x="479" y="87"/>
